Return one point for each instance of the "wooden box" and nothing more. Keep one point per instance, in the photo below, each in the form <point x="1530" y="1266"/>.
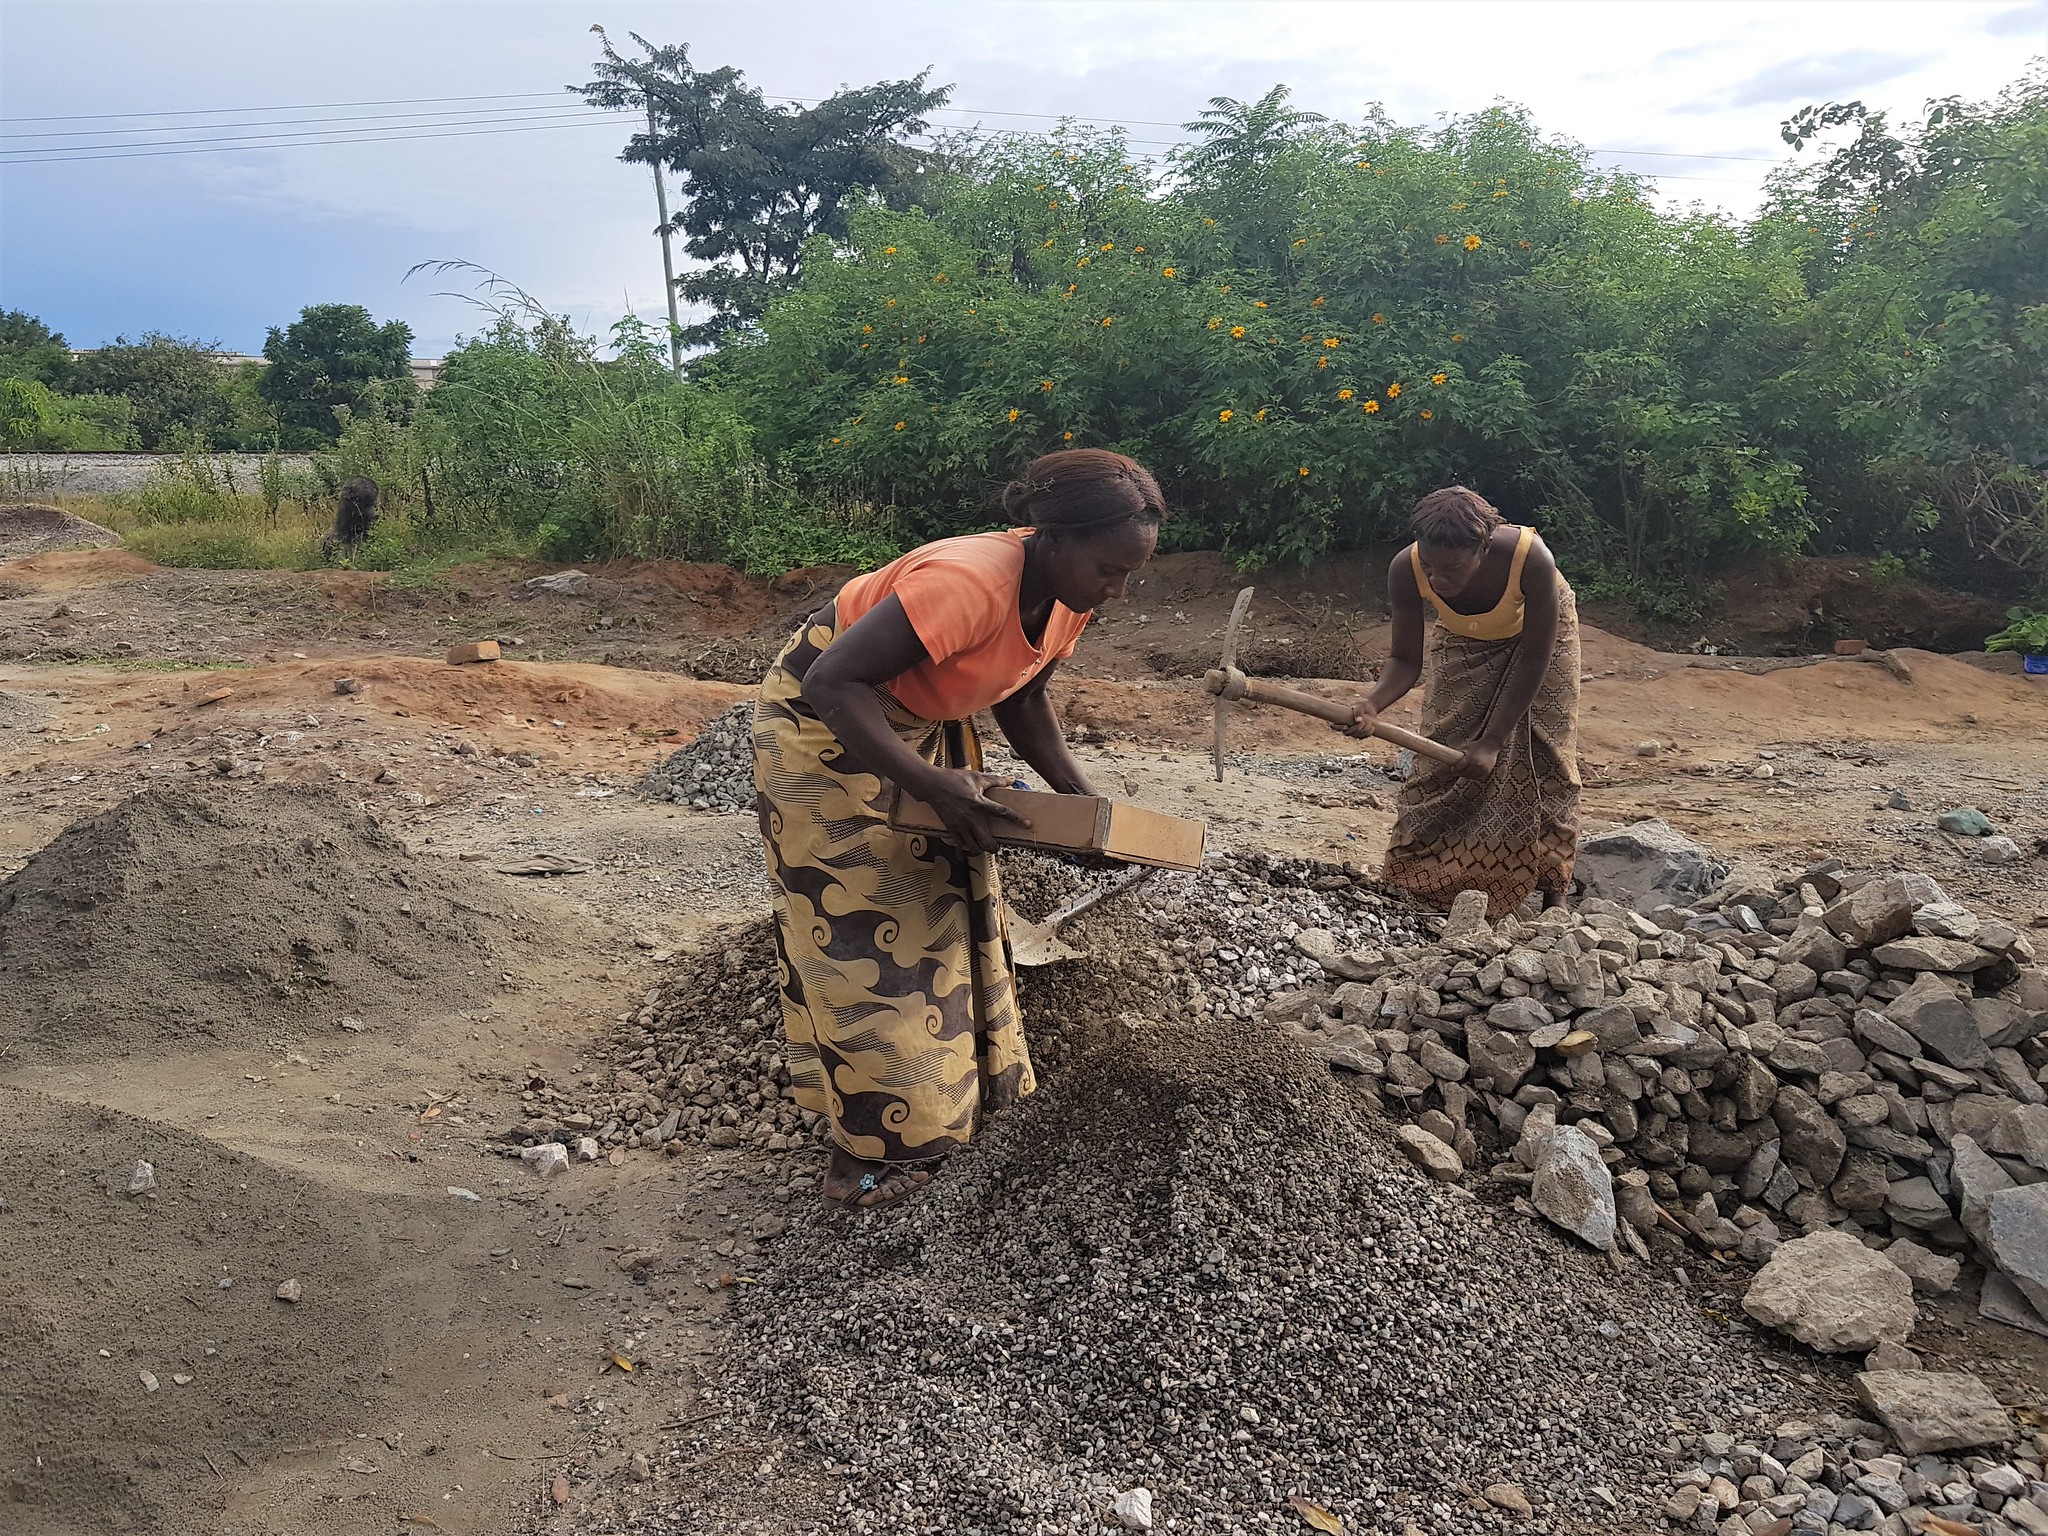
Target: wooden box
<point x="1078" y="824"/>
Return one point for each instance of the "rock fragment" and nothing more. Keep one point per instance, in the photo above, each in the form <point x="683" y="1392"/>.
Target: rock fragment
<point x="1830" y="1292"/>
<point x="1930" y="1411"/>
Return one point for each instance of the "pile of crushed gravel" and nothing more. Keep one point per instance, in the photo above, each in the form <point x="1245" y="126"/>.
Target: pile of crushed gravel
<point x="31" y="528"/>
<point x="1193" y="1262"/>
<point x="713" y="773"/>
<point x="177" y="914"/>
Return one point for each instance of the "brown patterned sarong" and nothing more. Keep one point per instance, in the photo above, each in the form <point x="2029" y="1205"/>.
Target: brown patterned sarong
<point x="1518" y="831"/>
<point x="897" y="995"/>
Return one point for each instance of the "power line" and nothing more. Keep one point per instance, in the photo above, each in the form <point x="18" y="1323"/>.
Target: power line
<point x="536" y="96"/>
<point x="386" y="119"/>
<point x="87" y="152"/>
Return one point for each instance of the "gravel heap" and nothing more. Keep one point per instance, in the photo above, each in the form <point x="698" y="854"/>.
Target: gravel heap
<point x="1193" y="1263"/>
<point x="700" y="1062"/>
<point x="713" y="773"/>
<point x="1835" y="1475"/>
<point x="179" y="914"/>
<point x="31" y="528"/>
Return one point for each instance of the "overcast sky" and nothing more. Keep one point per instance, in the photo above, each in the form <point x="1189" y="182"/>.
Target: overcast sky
<point x="222" y="244"/>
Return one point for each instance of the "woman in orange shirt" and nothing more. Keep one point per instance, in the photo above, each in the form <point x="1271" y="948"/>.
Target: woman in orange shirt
<point x="1503" y="682"/>
<point x="897" y="995"/>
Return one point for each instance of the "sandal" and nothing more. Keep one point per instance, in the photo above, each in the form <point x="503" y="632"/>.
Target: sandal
<point x="891" y="1185"/>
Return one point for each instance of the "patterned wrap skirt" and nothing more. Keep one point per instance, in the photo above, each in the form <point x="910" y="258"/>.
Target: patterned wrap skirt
<point x="898" y="999"/>
<point x="1513" y="833"/>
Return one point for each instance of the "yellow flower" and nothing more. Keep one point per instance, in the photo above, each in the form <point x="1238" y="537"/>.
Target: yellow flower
<point x="1214" y="322"/>
<point x="1236" y="331"/>
<point x="1322" y="362"/>
<point x="921" y="340"/>
<point x="1068" y="438"/>
<point x="1393" y="391"/>
<point x="1224" y="289"/>
<point x="1107" y="318"/>
<point x="1523" y="244"/>
<point x="1429" y="415"/>
<point x="1316" y="302"/>
<point x="1046" y="385"/>
<point x="1343" y="394"/>
<point x="1379" y="319"/>
<point x="974" y="311"/>
<point x="1259" y="414"/>
<point x="1457" y="207"/>
<point x="863" y="416"/>
<point x="1457" y="335"/>
<point x="1472" y="242"/>
<point x="1301" y="242"/>
<point x="902" y="378"/>
<point x="1501" y="192"/>
<point x="1438" y="378"/>
<point x="1443" y="239"/>
<point x="863" y="346"/>
<point x="835" y="439"/>
<point x="890" y="302"/>
<point x="1258" y="303"/>
<point x="1107" y="245"/>
<point x="1167" y="272"/>
<point x="1015" y="413"/>
<point x="940" y="278"/>
<point x="1304" y="471"/>
<point x="1138" y="250"/>
<point x="888" y="250"/>
<point x="1047" y="246"/>
<point x="1070" y="289"/>
<point x="1210" y="222"/>
<point x="867" y="330"/>
<point x="899" y="426"/>
<point x="1365" y="165"/>
<point x="1225" y="415"/>
<point x="1371" y="407"/>
<point x="1330" y="341"/>
<point x="1084" y="261"/>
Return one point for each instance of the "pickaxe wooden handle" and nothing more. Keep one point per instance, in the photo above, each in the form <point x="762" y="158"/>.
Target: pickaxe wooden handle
<point x="1227" y="683"/>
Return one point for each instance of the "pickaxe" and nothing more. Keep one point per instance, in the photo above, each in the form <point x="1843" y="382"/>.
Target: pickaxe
<point x="1228" y="684"/>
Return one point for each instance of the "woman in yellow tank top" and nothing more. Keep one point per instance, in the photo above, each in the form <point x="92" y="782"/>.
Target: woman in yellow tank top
<point x="1502" y="681"/>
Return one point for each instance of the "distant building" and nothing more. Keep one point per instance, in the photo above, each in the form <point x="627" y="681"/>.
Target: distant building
<point x="426" y="371"/>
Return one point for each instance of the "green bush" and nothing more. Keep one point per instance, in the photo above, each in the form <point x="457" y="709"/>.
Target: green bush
<point x="194" y="487"/>
<point x="2027" y="632"/>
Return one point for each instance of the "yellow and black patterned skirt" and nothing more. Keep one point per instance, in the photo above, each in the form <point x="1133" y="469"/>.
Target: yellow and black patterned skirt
<point x="1513" y="833"/>
<point x="897" y="993"/>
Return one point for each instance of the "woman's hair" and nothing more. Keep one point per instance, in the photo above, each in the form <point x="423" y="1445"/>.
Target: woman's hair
<point x="1084" y="490"/>
<point x="1454" y="518"/>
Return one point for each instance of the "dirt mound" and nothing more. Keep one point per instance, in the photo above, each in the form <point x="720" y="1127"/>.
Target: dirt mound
<point x="18" y="712"/>
<point x="30" y="528"/>
<point x="141" y="1337"/>
<point x="174" y="915"/>
<point x="1192" y="1261"/>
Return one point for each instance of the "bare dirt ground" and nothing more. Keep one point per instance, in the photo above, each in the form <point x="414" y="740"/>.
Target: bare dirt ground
<point x="454" y="1362"/>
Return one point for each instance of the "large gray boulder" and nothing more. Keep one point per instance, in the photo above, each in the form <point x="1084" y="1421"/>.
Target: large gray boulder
<point x="1881" y="910"/>
<point x="1646" y="865"/>
<point x="1574" y="1188"/>
<point x="1832" y="1293"/>
<point x="1930" y="1411"/>
<point x="2018" y="1240"/>
<point x="1975" y="1177"/>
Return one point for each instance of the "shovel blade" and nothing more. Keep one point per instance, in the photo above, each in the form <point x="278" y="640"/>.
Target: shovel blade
<point x="1038" y="943"/>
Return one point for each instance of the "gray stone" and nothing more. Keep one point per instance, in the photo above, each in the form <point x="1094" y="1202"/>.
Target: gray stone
<point x="1812" y="1142"/>
<point x="1645" y="865"/>
<point x="1518" y="1015"/>
<point x="1830" y="1292"/>
<point x="143" y="1179"/>
<point x="1921" y="954"/>
<point x="1929" y="1411"/>
<point x="1915" y="1203"/>
<point x="1974" y="1176"/>
<point x="1931" y="1013"/>
<point x="561" y="584"/>
<point x="547" y="1159"/>
<point x="1881" y="1034"/>
<point x="1815" y="946"/>
<point x="1613" y="1026"/>
<point x="1882" y="909"/>
<point x="1350" y="1047"/>
<point x="1946" y="920"/>
<point x="2021" y="1132"/>
<point x="2002" y="1302"/>
<point x="1133" y="1509"/>
<point x="1432" y="1156"/>
<point x="1444" y="1065"/>
<point x="2018" y="1240"/>
<point x="1574" y="1188"/>
<point x="1468" y="916"/>
<point x="1534" y="1138"/>
<point x="1500" y="1060"/>
<point x="1861" y="1185"/>
<point x="1930" y="1272"/>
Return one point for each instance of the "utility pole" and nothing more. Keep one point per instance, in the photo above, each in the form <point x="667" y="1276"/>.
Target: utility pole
<point x="668" y="262"/>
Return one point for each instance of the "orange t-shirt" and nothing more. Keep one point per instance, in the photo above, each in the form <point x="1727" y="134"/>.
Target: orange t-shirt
<point x="960" y="595"/>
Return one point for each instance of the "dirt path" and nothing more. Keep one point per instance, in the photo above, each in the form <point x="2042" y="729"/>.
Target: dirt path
<point x="450" y="1354"/>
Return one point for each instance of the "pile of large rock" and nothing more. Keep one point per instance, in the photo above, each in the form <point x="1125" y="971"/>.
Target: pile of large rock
<point x="1804" y="1479"/>
<point x="713" y="773"/>
<point x="1836" y="1051"/>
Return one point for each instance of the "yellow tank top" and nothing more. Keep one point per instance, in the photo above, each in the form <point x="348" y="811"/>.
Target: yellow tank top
<point x="1503" y="621"/>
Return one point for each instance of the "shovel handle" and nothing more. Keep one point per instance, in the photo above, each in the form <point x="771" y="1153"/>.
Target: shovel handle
<point x="1232" y="684"/>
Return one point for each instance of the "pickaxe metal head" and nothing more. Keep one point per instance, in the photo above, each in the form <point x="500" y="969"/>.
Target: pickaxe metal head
<point x="1244" y="601"/>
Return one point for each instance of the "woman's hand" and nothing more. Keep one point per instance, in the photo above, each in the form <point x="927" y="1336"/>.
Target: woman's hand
<point x="1481" y="758"/>
<point x="1363" y="718"/>
<point x="960" y="796"/>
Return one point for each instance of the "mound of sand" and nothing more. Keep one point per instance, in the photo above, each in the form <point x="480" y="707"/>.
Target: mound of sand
<point x="175" y="915"/>
<point x="102" y="1293"/>
<point x="30" y="528"/>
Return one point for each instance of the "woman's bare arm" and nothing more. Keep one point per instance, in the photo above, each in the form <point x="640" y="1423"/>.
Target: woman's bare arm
<point x="1403" y="669"/>
<point x="1032" y="726"/>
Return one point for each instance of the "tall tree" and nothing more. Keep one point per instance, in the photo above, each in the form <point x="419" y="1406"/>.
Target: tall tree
<point x="176" y="387"/>
<point x="29" y="349"/>
<point x="327" y="358"/>
<point x="758" y="180"/>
